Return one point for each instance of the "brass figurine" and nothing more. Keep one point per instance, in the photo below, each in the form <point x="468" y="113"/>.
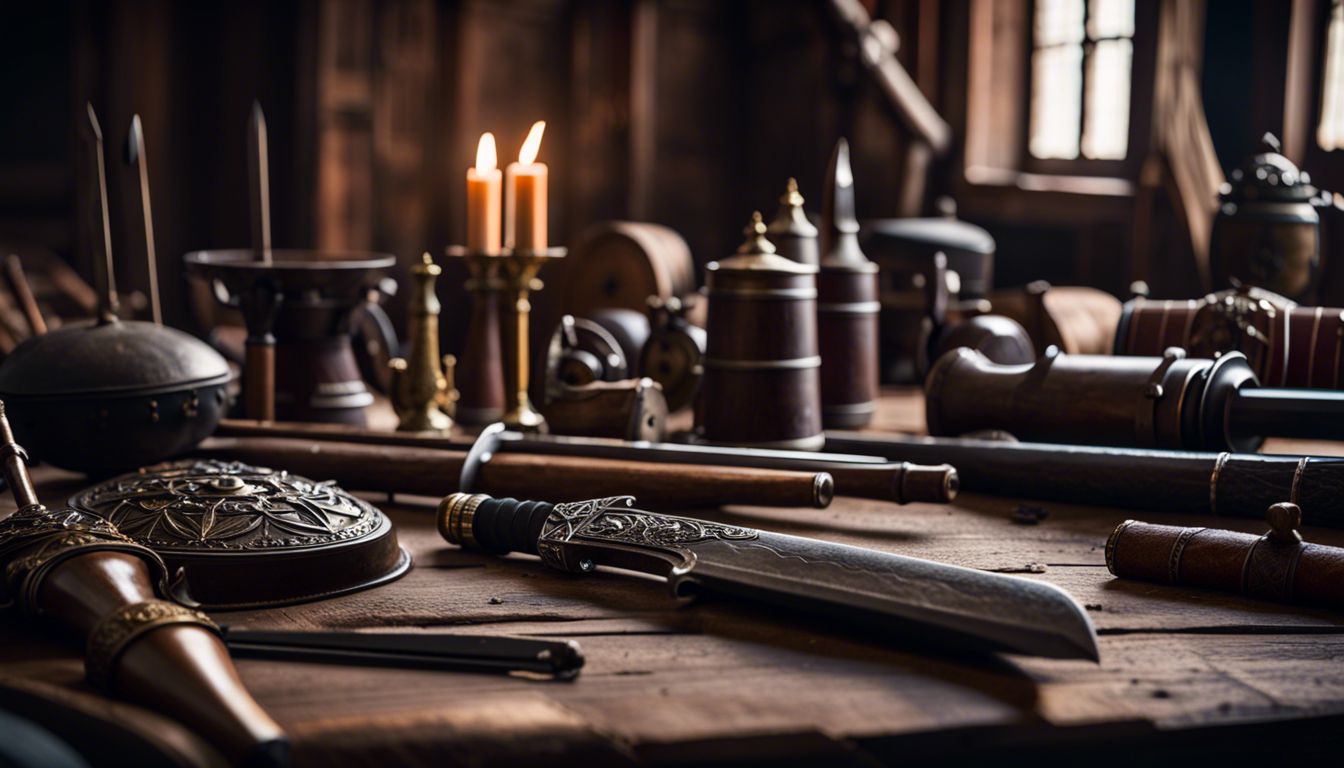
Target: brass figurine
<point x="519" y="271"/>
<point x="421" y="392"/>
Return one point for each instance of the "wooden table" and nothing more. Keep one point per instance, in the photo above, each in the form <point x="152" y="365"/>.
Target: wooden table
<point x="1185" y="675"/>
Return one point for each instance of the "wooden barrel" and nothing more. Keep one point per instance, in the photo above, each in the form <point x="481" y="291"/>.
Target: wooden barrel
<point x="620" y="264"/>
<point x="762" y="380"/>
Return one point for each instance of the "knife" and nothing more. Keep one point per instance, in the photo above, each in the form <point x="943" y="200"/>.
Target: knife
<point x="951" y="605"/>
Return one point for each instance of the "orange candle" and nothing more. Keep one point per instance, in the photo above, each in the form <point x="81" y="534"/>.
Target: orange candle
<point x="525" y="196"/>
<point x="483" y="186"/>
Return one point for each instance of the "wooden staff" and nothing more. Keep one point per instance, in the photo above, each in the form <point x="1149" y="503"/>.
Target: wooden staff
<point x="400" y="469"/>
<point x="23" y="295"/>
<point x="901" y="482"/>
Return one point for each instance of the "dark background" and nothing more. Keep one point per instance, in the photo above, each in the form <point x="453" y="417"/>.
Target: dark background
<point x="690" y="113"/>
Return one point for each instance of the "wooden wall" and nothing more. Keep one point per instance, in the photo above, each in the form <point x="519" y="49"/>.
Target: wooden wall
<point x="691" y="113"/>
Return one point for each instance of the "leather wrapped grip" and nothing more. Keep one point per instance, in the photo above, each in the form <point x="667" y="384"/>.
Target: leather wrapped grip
<point x="498" y="526"/>
<point x="1228" y="561"/>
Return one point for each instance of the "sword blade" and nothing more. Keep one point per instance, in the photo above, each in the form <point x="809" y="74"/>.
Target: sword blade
<point x="944" y="603"/>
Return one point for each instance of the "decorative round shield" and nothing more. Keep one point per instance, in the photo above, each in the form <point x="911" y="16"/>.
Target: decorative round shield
<point x="249" y="537"/>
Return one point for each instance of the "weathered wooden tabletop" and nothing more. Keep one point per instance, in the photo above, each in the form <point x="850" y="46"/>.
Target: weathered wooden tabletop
<point x="719" y="682"/>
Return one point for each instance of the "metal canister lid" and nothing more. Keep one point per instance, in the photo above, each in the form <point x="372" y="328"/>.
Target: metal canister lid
<point x="1268" y="176"/>
<point x="110" y="359"/>
<point x="756" y="255"/>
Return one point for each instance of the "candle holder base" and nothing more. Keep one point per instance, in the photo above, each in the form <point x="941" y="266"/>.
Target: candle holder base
<point x="518" y="269"/>
<point x="525" y="418"/>
<point x="480" y="372"/>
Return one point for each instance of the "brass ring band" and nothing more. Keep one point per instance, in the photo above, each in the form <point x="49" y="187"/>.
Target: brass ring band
<point x="116" y="632"/>
<point x="456" y="514"/>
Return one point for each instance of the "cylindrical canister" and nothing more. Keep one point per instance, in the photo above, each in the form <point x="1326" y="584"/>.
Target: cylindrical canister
<point x="848" y="306"/>
<point x="1147" y="402"/>
<point x="847" y="321"/>
<point x="1277" y="566"/>
<point x="762" y="382"/>
<point x="1287" y="345"/>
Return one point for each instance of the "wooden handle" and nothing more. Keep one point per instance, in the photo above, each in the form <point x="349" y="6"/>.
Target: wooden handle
<point x="259" y="380"/>
<point x="573" y="478"/>
<point x="387" y="468"/>
<point x="901" y="483"/>
<point x="181" y="670"/>
<point x="402" y="469"/>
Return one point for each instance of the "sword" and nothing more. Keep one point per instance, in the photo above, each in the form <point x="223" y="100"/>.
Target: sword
<point x="955" y="606"/>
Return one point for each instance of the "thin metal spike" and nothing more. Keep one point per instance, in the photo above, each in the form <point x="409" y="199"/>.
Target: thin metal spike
<point x="135" y="154"/>
<point x="105" y="280"/>
<point x="260" y="176"/>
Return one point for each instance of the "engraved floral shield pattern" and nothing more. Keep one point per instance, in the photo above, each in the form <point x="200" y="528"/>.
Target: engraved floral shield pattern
<point x="216" y="505"/>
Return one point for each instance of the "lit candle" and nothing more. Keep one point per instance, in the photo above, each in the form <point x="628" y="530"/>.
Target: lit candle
<point x="483" y="186"/>
<point x="525" y="196"/>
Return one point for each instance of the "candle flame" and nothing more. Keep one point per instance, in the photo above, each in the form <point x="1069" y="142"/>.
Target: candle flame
<point x="486" y="157"/>
<point x="528" y="154"/>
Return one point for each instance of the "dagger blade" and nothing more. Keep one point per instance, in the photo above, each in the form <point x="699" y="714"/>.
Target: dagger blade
<point x="972" y="609"/>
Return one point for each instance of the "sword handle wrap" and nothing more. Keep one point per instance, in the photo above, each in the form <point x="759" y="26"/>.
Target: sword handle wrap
<point x="497" y="526"/>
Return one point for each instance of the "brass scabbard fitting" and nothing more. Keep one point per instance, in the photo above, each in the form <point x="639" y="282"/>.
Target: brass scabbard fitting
<point x="117" y="631"/>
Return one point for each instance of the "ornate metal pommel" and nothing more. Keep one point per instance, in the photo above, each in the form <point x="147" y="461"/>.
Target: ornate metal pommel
<point x="117" y="631"/>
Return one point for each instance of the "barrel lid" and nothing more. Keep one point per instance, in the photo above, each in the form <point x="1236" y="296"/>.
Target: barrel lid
<point x="757" y="254"/>
<point x="940" y="233"/>
<point x="249" y="536"/>
<point x="109" y="359"/>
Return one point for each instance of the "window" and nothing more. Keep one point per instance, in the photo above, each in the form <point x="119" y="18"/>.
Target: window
<point x="1081" y="61"/>
<point x="1330" y="132"/>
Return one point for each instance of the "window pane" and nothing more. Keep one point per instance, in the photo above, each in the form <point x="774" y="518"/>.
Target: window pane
<point x="1110" y="18"/>
<point x="1106" y="124"/>
<point x="1330" y="133"/>
<point x="1058" y="22"/>
<point x="1056" y="101"/>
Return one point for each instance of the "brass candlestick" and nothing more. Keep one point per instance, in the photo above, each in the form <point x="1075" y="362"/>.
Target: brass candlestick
<point x="519" y="270"/>
<point x="479" y="372"/>
<point x="420" y="391"/>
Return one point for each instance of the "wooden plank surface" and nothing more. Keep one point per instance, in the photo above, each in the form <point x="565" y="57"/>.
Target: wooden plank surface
<point x="668" y="681"/>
